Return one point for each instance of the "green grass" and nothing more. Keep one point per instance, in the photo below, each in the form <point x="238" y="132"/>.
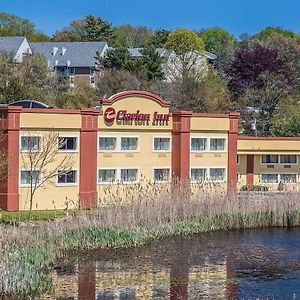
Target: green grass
<point x="21" y="216"/>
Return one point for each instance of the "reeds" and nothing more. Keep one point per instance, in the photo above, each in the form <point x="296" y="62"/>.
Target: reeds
<point x="29" y="251"/>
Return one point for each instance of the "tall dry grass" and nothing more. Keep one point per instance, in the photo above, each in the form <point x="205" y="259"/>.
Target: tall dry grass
<point x="28" y="252"/>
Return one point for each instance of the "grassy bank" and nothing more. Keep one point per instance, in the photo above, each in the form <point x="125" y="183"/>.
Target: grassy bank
<point x="28" y="252"/>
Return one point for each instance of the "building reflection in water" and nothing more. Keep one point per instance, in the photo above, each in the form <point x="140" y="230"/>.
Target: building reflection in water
<point x="108" y="280"/>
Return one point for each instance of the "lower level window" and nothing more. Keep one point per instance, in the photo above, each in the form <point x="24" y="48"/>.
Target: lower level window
<point x="129" y="175"/>
<point x="269" y="178"/>
<point x="162" y="174"/>
<point x="198" y="174"/>
<point x="30" y="177"/>
<point x="66" y="177"/>
<point x="217" y="174"/>
<point x="288" y="178"/>
<point x="106" y="176"/>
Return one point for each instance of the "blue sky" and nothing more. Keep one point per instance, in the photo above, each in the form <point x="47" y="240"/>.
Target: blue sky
<point x="236" y="16"/>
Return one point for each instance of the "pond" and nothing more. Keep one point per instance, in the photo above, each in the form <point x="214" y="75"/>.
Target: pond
<point x="249" y="264"/>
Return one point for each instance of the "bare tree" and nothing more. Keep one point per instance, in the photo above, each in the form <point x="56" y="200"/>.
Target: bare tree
<point x="40" y="163"/>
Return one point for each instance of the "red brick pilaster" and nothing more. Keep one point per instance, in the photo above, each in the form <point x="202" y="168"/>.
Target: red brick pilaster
<point x="9" y="145"/>
<point x="181" y="145"/>
<point x="250" y="169"/>
<point x="88" y="159"/>
<point x="232" y="152"/>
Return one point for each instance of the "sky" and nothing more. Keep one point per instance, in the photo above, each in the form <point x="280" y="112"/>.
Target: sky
<point x="236" y="16"/>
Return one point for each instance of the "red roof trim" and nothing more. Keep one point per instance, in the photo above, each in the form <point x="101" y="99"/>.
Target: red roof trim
<point x="121" y="95"/>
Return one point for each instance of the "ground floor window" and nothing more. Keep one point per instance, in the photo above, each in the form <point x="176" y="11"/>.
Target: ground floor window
<point x="162" y="174"/>
<point x="67" y="177"/>
<point x="129" y="175"/>
<point x="198" y="174"/>
<point x="107" y="176"/>
<point x="288" y="178"/>
<point x="30" y="177"/>
<point x="217" y="174"/>
<point x="269" y="178"/>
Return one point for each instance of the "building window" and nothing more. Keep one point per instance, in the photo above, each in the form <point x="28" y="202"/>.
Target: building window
<point x="217" y="144"/>
<point x="198" y="174"/>
<point x="288" y="159"/>
<point x="107" y="176"/>
<point x="162" y="174"/>
<point x="66" y="177"/>
<point x="129" y="143"/>
<point x="30" y="143"/>
<point x="269" y="178"/>
<point x="161" y="144"/>
<point x="238" y="158"/>
<point x="129" y="175"/>
<point x="269" y="159"/>
<point x="217" y="174"/>
<point x="30" y="177"/>
<point x="198" y="144"/>
<point x="288" y="178"/>
<point x="67" y="143"/>
<point x="92" y="80"/>
<point x="107" y="143"/>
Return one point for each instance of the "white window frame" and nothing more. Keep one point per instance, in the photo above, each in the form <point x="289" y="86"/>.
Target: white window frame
<point x="278" y="177"/>
<point x="291" y="164"/>
<point x="218" y="137"/>
<point x="162" y="137"/>
<point x="68" y="136"/>
<point x="199" y="167"/>
<point x="68" y="184"/>
<point x="161" y="181"/>
<point x="112" y="182"/>
<point x="129" y="136"/>
<point x="108" y="136"/>
<point x="28" y="184"/>
<point x="128" y="168"/>
<point x="31" y="135"/>
<point x="199" y="137"/>
<point x="263" y="163"/>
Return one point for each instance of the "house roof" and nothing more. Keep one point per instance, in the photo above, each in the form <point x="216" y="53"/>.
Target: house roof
<point x="136" y="52"/>
<point x="72" y="54"/>
<point x="11" y="44"/>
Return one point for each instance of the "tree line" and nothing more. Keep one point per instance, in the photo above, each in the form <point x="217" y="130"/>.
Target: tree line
<point x="257" y="75"/>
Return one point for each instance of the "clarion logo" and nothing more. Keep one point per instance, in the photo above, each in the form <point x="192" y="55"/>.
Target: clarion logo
<point x="122" y="117"/>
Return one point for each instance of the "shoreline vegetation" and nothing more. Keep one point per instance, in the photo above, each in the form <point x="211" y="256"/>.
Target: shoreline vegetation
<point x="30" y="250"/>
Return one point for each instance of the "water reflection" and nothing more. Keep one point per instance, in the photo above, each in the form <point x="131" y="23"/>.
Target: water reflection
<point x="234" y="265"/>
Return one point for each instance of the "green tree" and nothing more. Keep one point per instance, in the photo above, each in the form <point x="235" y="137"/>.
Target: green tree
<point x="222" y="43"/>
<point x="117" y="59"/>
<point x="11" y="25"/>
<point x="289" y="127"/>
<point x="152" y="63"/>
<point x="38" y="37"/>
<point x="266" y="32"/>
<point x="183" y="41"/>
<point x="131" y="36"/>
<point x="159" y="38"/>
<point x="96" y="29"/>
<point x="88" y="29"/>
<point x="185" y="59"/>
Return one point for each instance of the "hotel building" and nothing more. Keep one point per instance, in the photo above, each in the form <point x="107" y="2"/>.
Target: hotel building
<point x="133" y="138"/>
